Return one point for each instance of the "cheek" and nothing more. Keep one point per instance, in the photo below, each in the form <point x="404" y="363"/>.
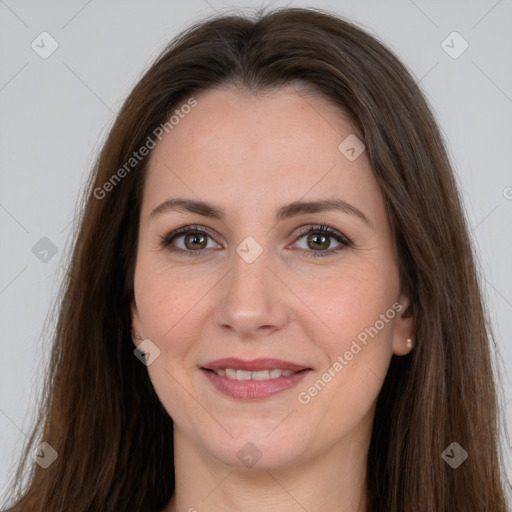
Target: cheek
<point x="165" y="299"/>
<point x="166" y="305"/>
<point x="358" y="310"/>
<point x="352" y="300"/>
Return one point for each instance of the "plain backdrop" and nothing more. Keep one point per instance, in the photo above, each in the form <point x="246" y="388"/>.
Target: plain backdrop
<point x="56" y="111"/>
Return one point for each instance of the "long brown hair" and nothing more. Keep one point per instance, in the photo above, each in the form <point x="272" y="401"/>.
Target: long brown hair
<point x="100" y="412"/>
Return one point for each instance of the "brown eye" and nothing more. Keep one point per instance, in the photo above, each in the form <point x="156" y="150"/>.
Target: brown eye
<point x="318" y="241"/>
<point x="195" y="241"/>
<point x="188" y="240"/>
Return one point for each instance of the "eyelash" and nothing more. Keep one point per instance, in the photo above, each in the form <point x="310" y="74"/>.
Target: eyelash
<point x="317" y="230"/>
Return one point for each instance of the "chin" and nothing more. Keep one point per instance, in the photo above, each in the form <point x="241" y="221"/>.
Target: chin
<point x="257" y="452"/>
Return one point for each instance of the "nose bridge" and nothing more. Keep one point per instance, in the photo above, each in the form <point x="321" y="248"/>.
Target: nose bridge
<point x="252" y="297"/>
<point x="249" y="284"/>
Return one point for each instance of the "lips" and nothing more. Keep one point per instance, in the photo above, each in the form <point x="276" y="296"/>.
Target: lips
<point x="253" y="380"/>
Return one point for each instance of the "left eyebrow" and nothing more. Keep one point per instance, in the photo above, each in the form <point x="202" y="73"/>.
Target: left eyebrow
<point x="304" y="207"/>
<point x="285" y="212"/>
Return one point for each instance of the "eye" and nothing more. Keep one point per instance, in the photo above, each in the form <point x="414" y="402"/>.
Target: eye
<point x="194" y="239"/>
<point x="318" y="239"/>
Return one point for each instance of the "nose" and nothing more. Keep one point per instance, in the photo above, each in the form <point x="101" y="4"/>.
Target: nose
<point x="253" y="299"/>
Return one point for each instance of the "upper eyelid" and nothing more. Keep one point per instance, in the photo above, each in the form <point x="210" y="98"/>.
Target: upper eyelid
<point x="299" y="232"/>
<point x="304" y="230"/>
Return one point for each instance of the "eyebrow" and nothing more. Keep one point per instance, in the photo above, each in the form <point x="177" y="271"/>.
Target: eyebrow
<point x="285" y="212"/>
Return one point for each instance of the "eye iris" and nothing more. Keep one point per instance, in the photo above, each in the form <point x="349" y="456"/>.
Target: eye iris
<point x="313" y="237"/>
<point x="193" y="238"/>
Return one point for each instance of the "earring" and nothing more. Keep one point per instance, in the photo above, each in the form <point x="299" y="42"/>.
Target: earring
<point x="136" y="335"/>
<point x="409" y="342"/>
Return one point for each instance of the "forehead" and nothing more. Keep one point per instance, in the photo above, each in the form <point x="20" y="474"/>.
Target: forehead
<point x="245" y="148"/>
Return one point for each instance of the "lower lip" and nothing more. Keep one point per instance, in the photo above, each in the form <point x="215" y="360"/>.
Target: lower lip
<point x="254" y="389"/>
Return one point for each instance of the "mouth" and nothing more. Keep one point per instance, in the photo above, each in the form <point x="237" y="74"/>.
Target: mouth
<point x="253" y="380"/>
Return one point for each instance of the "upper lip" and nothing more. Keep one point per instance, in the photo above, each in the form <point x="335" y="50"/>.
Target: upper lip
<point x="253" y="365"/>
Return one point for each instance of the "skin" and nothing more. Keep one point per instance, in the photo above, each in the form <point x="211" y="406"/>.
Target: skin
<point x="251" y="154"/>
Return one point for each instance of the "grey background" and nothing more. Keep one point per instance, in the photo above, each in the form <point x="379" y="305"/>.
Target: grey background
<point x="55" y="113"/>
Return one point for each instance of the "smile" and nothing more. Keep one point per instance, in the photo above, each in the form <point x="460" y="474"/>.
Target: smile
<point x="253" y="380"/>
<point x="231" y="373"/>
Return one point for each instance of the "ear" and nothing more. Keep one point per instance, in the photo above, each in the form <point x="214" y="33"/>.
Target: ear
<point x="404" y="326"/>
<point x="136" y="324"/>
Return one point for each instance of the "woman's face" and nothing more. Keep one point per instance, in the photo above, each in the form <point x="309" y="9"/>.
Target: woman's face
<point x="309" y="320"/>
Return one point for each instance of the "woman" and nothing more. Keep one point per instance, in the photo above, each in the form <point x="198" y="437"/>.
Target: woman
<point x="272" y="302"/>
